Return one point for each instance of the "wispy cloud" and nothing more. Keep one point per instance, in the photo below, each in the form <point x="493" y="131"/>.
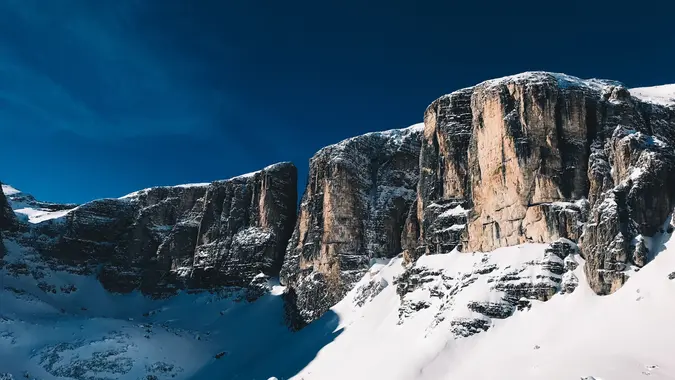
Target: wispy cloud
<point x="83" y="67"/>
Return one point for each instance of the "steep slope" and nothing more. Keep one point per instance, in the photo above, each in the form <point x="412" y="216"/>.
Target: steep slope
<point x="162" y="239"/>
<point x="572" y="336"/>
<point x="357" y="197"/>
<point x="7" y="219"/>
<point x="88" y="333"/>
<point x="67" y="326"/>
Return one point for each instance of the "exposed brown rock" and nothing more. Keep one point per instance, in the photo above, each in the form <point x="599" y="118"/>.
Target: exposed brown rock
<point x="536" y="155"/>
<point x="528" y="150"/>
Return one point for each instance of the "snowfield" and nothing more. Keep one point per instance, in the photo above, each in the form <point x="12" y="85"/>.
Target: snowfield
<point x="60" y="325"/>
<point x="663" y="95"/>
<point x="580" y="335"/>
<point x="28" y="209"/>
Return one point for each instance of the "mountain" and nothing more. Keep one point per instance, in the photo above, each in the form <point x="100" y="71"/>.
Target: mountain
<point x="522" y="231"/>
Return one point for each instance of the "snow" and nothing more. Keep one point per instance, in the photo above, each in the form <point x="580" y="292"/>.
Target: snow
<point x="138" y="193"/>
<point x="455" y="211"/>
<point x="662" y="95"/>
<point x="189" y="185"/>
<point x="27" y="208"/>
<point x="9" y="190"/>
<point x="81" y="329"/>
<point x="564" y="80"/>
<point x="623" y="336"/>
<point x="40" y="215"/>
<point x="246" y="175"/>
<point x="395" y="137"/>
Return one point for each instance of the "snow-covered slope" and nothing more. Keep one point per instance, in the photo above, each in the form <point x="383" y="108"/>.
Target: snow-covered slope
<point x="61" y="325"/>
<point x="664" y="95"/>
<point x="29" y="209"/>
<point x="623" y="336"/>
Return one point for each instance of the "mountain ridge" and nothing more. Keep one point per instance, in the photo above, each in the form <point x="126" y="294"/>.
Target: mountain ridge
<point x="523" y="190"/>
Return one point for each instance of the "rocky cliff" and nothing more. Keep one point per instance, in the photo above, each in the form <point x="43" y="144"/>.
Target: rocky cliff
<point x="537" y="157"/>
<point x="582" y="165"/>
<point x="7" y="220"/>
<point x="357" y="197"/>
<point x="161" y="239"/>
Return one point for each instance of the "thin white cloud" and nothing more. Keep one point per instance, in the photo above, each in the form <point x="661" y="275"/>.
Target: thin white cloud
<point x="121" y="88"/>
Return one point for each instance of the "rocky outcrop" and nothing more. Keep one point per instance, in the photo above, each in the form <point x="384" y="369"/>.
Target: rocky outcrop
<point x="467" y="292"/>
<point x="162" y="239"/>
<point x="353" y="210"/>
<point x="537" y="157"/>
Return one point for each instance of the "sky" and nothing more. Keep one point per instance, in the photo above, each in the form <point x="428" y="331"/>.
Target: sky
<point x="102" y="98"/>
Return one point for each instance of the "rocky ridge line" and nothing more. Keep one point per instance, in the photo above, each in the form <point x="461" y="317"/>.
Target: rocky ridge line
<point x="162" y="239"/>
<point x="531" y="158"/>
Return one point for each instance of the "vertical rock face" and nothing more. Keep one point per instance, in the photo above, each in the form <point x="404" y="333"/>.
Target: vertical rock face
<point x="161" y="239"/>
<point x="354" y="207"/>
<point x="536" y="157"/>
<point x="7" y="220"/>
<point x="632" y="173"/>
<point x="528" y="154"/>
<point x="438" y="217"/>
<point x="246" y="225"/>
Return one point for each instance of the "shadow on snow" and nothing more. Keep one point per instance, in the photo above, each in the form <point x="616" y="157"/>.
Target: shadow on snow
<point x="256" y="355"/>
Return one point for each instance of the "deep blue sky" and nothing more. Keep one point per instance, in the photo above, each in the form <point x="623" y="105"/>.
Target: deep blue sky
<point x="100" y="98"/>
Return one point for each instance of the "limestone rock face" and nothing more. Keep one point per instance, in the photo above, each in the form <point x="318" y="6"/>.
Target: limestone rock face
<point x="537" y="157"/>
<point x="162" y="239"/>
<point x="528" y="151"/>
<point x="357" y="198"/>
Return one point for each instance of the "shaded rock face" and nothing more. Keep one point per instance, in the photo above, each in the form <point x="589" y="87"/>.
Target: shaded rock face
<point x="162" y="239"/>
<point x="7" y="221"/>
<point x="444" y="178"/>
<point x="7" y="218"/>
<point x="631" y="213"/>
<point x="354" y="208"/>
<point x="537" y="157"/>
